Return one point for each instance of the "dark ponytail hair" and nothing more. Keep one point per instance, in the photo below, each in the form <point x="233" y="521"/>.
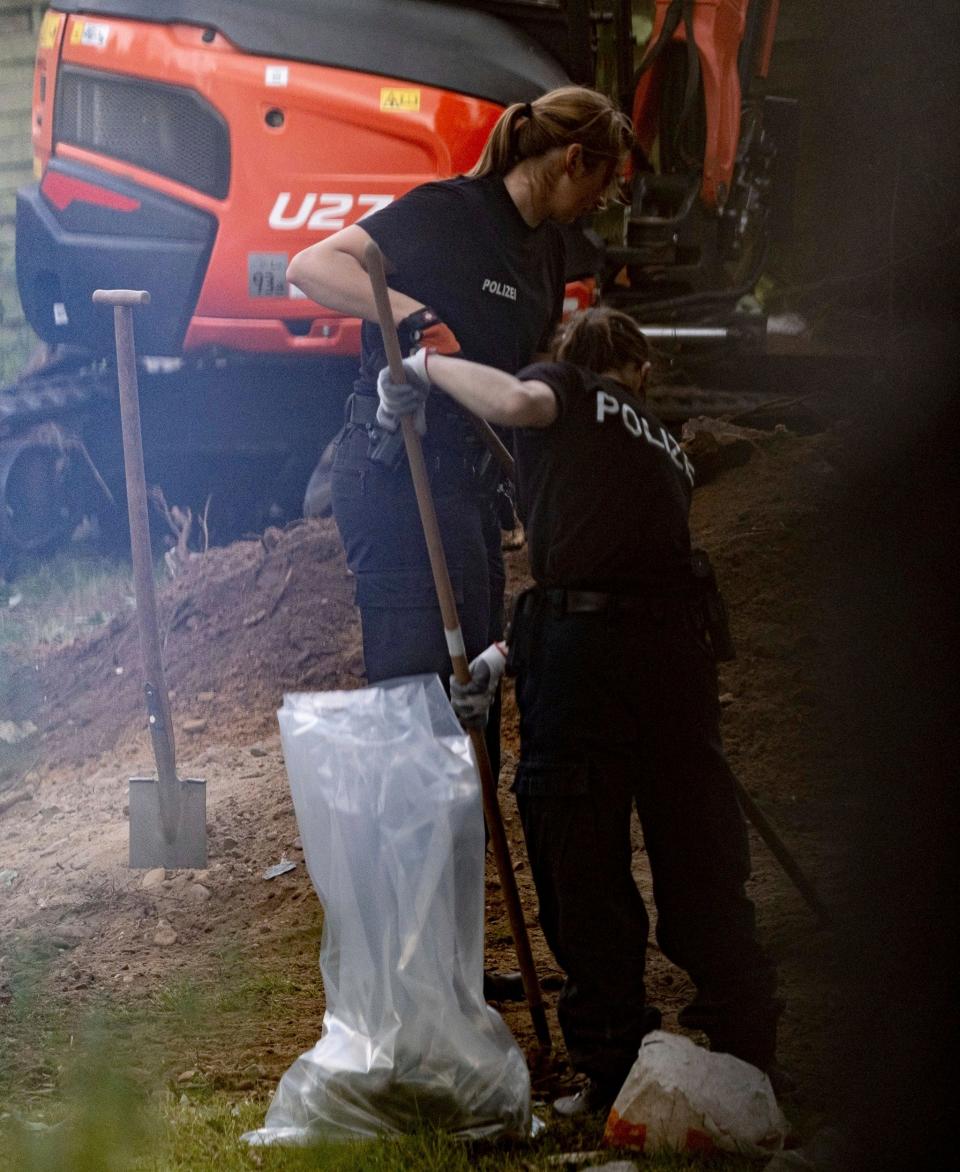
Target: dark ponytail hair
<point x="571" y="114"/>
<point x="601" y="339"/>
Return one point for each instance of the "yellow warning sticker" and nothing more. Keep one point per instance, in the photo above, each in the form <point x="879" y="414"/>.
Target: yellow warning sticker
<point x="397" y="100"/>
<point x="49" y="28"/>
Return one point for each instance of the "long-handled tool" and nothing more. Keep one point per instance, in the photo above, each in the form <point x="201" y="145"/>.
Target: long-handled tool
<point x="168" y="817"/>
<point x="373" y="259"/>
<point x="778" y="849"/>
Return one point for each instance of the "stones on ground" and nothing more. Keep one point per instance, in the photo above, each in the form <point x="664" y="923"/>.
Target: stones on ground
<point x="257" y="751"/>
<point x="196" y="892"/>
<point x="165" y="935"/>
<point x="69" y="935"/>
<point x="196" y="724"/>
<point x="12" y="733"/>
<point x="153" y="878"/>
<point x="726" y="699"/>
<point x="280" y="868"/>
<point x="714" y="445"/>
<point x="206" y="697"/>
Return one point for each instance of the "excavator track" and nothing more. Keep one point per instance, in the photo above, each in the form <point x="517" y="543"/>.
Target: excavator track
<point x="37" y="398"/>
<point x="246" y="432"/>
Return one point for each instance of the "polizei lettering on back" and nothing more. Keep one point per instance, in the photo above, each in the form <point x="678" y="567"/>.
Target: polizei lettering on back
<point x="639" y="428"/>
<point x="499" y="289"/>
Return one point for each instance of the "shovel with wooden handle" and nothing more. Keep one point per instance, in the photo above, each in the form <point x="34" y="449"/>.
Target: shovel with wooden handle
<point x="168" y="817"/>
<point x="374" y="263"/>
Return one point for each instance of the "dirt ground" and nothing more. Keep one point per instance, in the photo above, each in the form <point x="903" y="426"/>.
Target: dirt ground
<point x="244" y="623"/>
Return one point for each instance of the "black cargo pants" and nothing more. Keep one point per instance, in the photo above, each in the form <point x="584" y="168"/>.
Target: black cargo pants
<point x="619" y="708"/>
<point x="376" y="512"/>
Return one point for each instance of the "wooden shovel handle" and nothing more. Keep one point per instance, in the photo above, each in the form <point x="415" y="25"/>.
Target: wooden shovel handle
<point x="158" y="702"/>
<point x="374" y="263"/>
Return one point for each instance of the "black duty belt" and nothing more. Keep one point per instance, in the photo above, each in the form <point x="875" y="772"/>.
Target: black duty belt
<point x="566" y="601"/>
<point x="442" y="427"/>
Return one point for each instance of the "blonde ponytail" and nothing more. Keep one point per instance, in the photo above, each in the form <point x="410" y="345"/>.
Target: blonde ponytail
<point x="571" y="114"/>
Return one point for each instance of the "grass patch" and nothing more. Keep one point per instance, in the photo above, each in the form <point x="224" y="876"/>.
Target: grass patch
<point x="110" y="1087"/>
<point x="66" y="597"/>
<point x="109" y="1125"/>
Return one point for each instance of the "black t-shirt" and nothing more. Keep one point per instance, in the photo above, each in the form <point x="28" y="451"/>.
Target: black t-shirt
<point x="604" y="491"/>
<point x="462" y="247"/>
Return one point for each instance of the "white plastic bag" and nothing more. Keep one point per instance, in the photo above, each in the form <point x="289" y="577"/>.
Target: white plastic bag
<point x="680" y="1097"/>
<point x="389" y="809"/>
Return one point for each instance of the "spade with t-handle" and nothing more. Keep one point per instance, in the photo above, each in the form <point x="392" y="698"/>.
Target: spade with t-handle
<point x="374" y="263"/>
<point x="168" y="817"/>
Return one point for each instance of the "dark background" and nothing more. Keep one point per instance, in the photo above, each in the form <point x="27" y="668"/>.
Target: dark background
<point x="880" y="256"/>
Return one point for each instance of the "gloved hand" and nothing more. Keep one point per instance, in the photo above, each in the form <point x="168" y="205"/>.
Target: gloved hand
<point x="406" y="398"/>
<point x="424" y="327"/>
<point x="471" y="702"/>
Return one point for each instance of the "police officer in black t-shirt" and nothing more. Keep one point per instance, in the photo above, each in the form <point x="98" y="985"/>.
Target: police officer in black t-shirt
<point x="477" y="268"/>
<point x="617" y="691"/>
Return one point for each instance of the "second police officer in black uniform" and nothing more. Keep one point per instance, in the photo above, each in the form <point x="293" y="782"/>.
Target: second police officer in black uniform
<point x="614" y="655"/>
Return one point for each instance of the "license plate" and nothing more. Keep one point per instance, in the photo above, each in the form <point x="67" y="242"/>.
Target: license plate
<point x="267" y="274"/>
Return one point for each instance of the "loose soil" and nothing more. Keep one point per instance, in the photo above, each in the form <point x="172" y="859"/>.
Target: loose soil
<point x="245" y="623"/>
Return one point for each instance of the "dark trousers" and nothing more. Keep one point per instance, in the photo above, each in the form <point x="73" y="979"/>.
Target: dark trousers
<point x="618" y="711"/>
<point x="376" y="512"/>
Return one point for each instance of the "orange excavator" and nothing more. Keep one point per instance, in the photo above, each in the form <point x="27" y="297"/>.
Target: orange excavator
<point x="192" y="148"/>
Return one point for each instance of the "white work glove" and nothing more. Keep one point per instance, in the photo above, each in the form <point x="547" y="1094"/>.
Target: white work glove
<point x="471" y="702"/>
<point x="406" y="398"/>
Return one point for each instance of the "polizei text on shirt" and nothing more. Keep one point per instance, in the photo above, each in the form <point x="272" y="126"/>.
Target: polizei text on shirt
<point x="639" y="428"/>
<point x="499" y="289"/>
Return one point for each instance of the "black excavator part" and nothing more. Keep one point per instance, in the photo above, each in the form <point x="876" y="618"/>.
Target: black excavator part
<point x="243" y="434"/>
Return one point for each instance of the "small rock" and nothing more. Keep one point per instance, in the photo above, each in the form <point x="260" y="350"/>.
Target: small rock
<point x="280" y="868"/>
<point x="615" y="1166"/>
<point x="69" y="935"/>
<point x="206" y="697"/>
<point x="256" y="751"/>
<point x="252" y="619"/>
<point x="165" y="934"/>
<point x="196" y="892"/>
<point x="153" y="878"/>
<point x="726" y="699"/>
<point x="187" y="1076"/>
<point x="195" y="725"/>
<point x="229" y="844"/>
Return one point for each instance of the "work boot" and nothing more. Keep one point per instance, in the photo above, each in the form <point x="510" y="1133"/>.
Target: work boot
<point x="503" y="987"/>
<point x="596" y="1098"/>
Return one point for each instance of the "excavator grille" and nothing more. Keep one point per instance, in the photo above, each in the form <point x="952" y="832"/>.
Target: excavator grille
<point x="167" y="129"/>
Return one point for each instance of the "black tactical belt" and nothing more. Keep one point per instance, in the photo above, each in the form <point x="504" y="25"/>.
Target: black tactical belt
<point x="599" y="602"/>
<point x="452" y="430"/>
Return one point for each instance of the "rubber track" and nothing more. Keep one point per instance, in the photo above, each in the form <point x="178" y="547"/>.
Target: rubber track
<point x="33" y="400"/>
